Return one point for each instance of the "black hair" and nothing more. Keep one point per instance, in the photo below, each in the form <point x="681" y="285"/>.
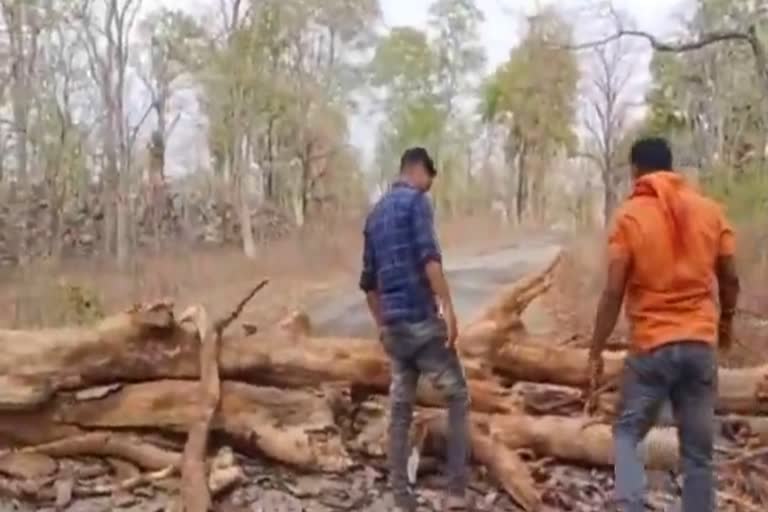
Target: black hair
<point x="417" y="155"/>
<point x="651" y="154"/>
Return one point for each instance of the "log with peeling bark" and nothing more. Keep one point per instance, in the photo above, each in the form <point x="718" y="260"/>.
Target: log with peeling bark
<point x="580" y="440"/>
<point x="497" y="439"/>
<point x="500" y="459"/>
<point x="108" y="444"/>
<point x="740" y="391"/>
<point x="126" y="347"/>
<point x="68" y="388"/>
<point x="147" y="343"/>
<point x="295" y="427"/>
<point x="482" y="337"/>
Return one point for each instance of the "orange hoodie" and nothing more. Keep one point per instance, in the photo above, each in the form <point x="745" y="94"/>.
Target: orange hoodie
<point x="672" y="235"/>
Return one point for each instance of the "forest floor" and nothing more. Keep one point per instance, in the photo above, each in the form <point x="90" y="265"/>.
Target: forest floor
<point x="306" y="273"/>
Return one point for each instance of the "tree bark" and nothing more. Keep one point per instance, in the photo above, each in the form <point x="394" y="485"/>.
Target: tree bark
<point x="294" y="427"/>
<point x="148" y="343"/>
<point x="243" y="206"/>
<point x="740" y="391"/>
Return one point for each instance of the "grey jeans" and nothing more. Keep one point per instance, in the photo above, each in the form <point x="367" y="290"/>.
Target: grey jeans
<point x="417" y="349"/>
<point x="684" y="373"/>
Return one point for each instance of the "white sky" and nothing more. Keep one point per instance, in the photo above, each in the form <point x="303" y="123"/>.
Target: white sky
<point x="505" y="18"/>
<point x="503" y="27"/>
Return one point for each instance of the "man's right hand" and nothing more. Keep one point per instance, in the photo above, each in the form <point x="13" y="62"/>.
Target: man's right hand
<point x="452" y="327"/>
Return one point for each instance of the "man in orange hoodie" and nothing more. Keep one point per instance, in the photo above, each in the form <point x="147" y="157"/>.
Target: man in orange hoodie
<point x="669" y="247"/>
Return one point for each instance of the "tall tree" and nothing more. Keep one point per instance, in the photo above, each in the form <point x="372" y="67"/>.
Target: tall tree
<point x="533" y="95"/>
<point x="424" y="76"/>
<point x="23" y="24"/>
<point x="607" y="114"/>
<point x="107" y="29"/>
<point x="722" y="37"/>
<point x="173" y="40"/>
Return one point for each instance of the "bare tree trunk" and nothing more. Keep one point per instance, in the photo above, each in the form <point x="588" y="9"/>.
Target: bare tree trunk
<point x="305" y="188"/>
<point x="270" y="191"/>
<point x="109" y="197"/>
<point x="610" y="198"/>
<point x="243" y="207"/>
<point x="17" y="19"/>
<point x="22" y="37"/>
<point x="521" y="198"/>
<point x="157" y="183"/>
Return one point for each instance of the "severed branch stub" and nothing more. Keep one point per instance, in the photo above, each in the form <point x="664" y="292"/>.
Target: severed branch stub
<point x="220" y="325"/>
<point x="194" y="493"/>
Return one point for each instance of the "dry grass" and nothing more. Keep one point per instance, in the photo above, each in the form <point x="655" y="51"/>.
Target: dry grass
<point x="301" y="269"/>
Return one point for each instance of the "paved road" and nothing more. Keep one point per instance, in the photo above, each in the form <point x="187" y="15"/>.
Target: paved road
<point x="473" y="281"/>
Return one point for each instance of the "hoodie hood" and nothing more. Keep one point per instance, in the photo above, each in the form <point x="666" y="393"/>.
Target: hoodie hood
<point x="667" y="187"/>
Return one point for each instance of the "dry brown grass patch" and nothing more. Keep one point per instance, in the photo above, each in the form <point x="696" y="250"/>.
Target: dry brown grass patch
<point x="301" y="267"/>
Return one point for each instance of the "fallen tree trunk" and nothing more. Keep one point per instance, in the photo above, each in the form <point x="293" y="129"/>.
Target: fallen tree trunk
<point x="291" y="426"/>
<point x="740" y="391"/>
<point x="148" y="344"/>
<point x="482" y="338"/>
<point x="541" y="362"/>
<point x="109" y="444"/>
<point x="581" y="440"/>
<point x="500" y="459"/>
<point x="496" y="440"/>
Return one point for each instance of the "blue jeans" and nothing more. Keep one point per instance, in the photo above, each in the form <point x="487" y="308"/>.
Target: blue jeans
<point x="684" y="373"/>
<point x="417" y="349"/>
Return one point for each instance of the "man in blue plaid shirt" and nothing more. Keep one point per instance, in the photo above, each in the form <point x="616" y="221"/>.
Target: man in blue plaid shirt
<point x="410" y="302"/>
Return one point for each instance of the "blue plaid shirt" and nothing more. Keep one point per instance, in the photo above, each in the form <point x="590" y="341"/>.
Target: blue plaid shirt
<point x="399" y="241"/>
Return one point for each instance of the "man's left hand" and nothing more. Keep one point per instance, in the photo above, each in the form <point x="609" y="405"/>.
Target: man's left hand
<point x="452" y="326"/>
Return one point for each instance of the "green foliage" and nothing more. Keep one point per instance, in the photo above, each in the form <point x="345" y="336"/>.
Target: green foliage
<point x="281" y="82"/>
<point x="708" y="102"/>
<point x="405" y="64"/>
<point x="423" y="75"/>
<point x="534" y="93"/>
<point x="744" y="195"/>
<point x="458" y="48"/>
<point x="79" y="305"/>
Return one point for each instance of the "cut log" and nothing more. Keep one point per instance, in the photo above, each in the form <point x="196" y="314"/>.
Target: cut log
<point x="147" y="343"/>
<point x="127" y="347"/>
<point x="501" y="317"/>
<point x="428" y="433"/>
<point x="740" y="391"/>
<point x="109" y="444"/>
<point x="512" y="300"/>
<point x="500" y="459"/>
<point x="580" y="440"/>
<point x="291" y="426"/>
<point x="496" y="440"/>
<point x="543" y="362"/>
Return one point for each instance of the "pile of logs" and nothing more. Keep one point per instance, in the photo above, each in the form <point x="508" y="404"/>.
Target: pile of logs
<point x="121" y="389"/>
